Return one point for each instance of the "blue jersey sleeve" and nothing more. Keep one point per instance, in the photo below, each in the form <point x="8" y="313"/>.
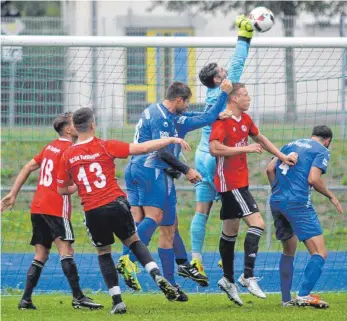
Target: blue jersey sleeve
<point x="192" y="113"/>
<point x="237" y="63"/>
<point x="186" y="124"/>
<point x="321" y="161"/>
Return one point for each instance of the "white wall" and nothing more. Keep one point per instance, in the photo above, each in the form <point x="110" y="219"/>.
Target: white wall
<point x="317" y="71"/>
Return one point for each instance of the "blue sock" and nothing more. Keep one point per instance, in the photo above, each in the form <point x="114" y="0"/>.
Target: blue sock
<point x="312" y="273"/>
<point x="286" y="276"/>
<point x="181" y="255"/>
<point x="167" y="258"/>
<point x="197" y="232"/>
<point x="145" y="230"/>
<point x="126" y="250"/>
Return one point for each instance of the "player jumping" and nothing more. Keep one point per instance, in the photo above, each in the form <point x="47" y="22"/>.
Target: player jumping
<point x="50" y="215"/>
<point x="90" y="165"/>
<point x="212" y="76"/>
<point x="229" y="143"/>
<point x="294" y="215"/>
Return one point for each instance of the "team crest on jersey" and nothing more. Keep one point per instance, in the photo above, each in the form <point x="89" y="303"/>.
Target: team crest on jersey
<point x="244" y="128"/>
<point x="166" y="124"/>
<point x="234" y="129"/>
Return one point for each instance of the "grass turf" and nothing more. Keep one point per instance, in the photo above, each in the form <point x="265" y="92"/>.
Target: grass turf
<point x="154" y="307"/>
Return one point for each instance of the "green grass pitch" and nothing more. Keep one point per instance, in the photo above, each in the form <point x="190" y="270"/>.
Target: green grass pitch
<point x="153" y="307"/>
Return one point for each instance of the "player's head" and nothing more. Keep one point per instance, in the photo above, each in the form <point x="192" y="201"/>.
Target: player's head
<point x="179" y="93"/>
<point x="212" y="76"/>
<point x="239" y="96"/>
<point x="84" y="121"/>
<point x="323" y="133"/>
<point x="63" y="125"/>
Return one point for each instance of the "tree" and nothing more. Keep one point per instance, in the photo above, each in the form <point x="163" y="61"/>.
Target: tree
<point x="284" y="10"/>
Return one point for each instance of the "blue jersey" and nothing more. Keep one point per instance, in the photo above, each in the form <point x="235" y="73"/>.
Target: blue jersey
<point x="156" y="122"/>
<point x="235" y="69"/>
<point x="190" y="121"/>
<point x="291" y="183"/>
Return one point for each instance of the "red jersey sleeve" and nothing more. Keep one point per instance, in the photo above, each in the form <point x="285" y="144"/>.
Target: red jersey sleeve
<point x="117" y="148"/>
<point x="38" y="157"/>
<point x="253" y="129"/>
<point x="64" y="179"/>
<point x="218" y="131"/>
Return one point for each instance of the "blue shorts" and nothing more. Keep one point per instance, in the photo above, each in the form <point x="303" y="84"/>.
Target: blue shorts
<point x="205" y="164"/>
<point x="151" y="187"/>
<point x="295" y="218"/>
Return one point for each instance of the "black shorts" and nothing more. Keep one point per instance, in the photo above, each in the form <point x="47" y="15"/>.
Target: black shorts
<point x="237" y="203"/>
<point x="105" y="221"/>
<point x="46" y="228"/>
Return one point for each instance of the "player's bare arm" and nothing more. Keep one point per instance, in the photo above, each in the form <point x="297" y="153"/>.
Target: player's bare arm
<point x="9" y="200"/>
<point x="271" y="148"/>
<point x="218" y="149"/>
<point x="271" y="170"/>
<point x="315" y="180"/>
<point x="150" y="146"/>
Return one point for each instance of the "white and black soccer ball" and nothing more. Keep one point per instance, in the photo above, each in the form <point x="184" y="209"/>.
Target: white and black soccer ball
<point x="262" y="19"/>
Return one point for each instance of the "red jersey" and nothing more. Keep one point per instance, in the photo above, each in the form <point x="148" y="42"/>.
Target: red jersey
<point x="90" y="164"/>
<point x="232" y="171"/>
<point x="47" y="200"/>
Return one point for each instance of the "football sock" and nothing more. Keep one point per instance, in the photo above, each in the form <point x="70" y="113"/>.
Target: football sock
<point x="70" y="270"/>
<point x="227" y="253"/>
<point x="312" y="273"/>
<point x="197" y="234"/>
<point x="145" y="230"/>
<point x="126" y="250"/>
<point x="286" y="276"/>
<point x="33" y="276"/>
<point x="110" y="275"/>
<point x="251" y="247"/>
<point x="167" y="258"/>
<point x="181" y="255"/>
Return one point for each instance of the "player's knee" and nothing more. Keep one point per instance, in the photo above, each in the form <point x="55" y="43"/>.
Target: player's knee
<point x="323" y="253"/>
<point x="41" y="254"/>
<point x="103" y="250"/>
<point x="166" y="236"/>
<point x="203" y="207"/>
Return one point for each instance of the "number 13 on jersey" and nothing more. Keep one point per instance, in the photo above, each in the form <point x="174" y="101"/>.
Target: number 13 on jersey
<point x="100" y="181"/>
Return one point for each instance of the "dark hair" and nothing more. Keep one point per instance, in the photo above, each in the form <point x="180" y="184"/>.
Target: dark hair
<point x="322" y="131"/>
<point x="82" y="118"/>
<point x="61" y="121"/>
<point x="178" y="89"/>
<point x="207" y="74"/>
<point x="236" y="87"/>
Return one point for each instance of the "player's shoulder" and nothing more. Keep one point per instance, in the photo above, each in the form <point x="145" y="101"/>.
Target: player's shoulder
<point x="246" y="117"/>
<point x="57" y="146"/>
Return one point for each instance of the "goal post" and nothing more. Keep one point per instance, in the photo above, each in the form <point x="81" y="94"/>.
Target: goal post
<point x="43" y="76"/>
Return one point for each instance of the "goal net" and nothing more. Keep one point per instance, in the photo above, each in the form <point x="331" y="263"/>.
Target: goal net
<point x="294" y="85"/>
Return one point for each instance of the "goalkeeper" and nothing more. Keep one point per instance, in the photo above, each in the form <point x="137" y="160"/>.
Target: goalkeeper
<point x="212" y="76"/>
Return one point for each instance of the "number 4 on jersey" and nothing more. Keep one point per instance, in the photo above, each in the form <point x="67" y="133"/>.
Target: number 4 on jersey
<point x="284" y="167"/>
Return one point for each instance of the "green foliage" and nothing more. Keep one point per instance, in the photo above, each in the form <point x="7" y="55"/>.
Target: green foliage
<point x="39" y="8"/>
<point x="280" y="8"/>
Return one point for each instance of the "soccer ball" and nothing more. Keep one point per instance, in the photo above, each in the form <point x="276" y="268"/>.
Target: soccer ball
<point x="262" y="19"/>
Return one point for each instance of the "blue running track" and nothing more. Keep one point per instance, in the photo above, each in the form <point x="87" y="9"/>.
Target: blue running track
<point x="14" y="268"/>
